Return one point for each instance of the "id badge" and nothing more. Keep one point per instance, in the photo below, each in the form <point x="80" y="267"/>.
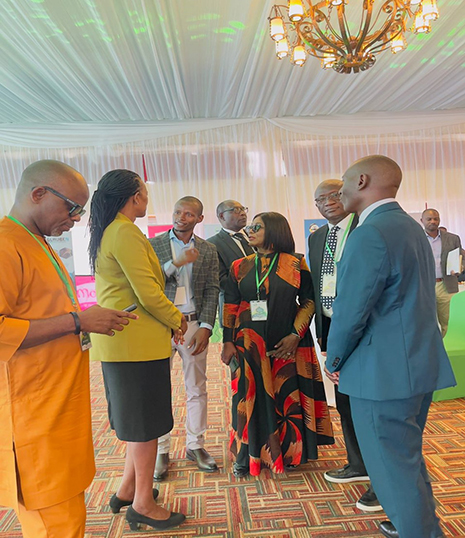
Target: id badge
<point x="180" y="297"/>
<point x="85" y="341"/>
<point x="259" y="310"/>
<point x="329" y="286"/>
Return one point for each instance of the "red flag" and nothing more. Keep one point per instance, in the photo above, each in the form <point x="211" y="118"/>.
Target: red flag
<point x="145" y="168"/>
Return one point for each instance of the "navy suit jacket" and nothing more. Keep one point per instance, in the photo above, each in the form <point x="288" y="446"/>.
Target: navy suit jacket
<point x="384" y="335"/>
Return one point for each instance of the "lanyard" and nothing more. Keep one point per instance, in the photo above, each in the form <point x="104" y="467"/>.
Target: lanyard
<point x="62" y="276"/>
<point x="336" y="258"/>
<point x="259" y="283"/>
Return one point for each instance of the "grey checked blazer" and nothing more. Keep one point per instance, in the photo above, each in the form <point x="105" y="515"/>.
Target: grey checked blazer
<point x="204" y="275"/>
<point x="449" y="242"/>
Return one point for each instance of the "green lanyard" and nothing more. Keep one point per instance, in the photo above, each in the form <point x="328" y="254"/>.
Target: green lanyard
<point x="62" y="276"/>
<point x="259" y="283"/>
<point x="341" y="243"/>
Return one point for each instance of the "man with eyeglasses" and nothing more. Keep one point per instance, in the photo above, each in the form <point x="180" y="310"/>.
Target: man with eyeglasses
<point x="325" y="248"/>
<point x="231" y="242"/>
<point x="46" y="452"/>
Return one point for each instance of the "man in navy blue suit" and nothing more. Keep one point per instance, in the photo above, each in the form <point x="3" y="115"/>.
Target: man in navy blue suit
<point x="385" y="342"/>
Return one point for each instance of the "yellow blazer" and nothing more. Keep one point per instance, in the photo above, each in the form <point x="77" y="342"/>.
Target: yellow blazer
<point x="127" y="272"/>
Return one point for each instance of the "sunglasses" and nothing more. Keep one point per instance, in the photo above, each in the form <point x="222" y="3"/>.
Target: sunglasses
<point x="334" y="196"/>
<point x="76" y="210"/>
<point x="254" y="228"/>
<point x="237" y="210"/>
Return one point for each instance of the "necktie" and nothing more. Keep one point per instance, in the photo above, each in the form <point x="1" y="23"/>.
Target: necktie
<point x="328" y="264"/>
<point x="245" y="244"/>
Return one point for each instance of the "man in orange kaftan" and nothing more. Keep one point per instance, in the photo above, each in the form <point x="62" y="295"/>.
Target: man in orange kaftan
<point x="46" y="452"/>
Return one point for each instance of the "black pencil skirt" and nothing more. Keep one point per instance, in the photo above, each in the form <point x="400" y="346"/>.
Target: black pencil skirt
<point x="139" y="399"/>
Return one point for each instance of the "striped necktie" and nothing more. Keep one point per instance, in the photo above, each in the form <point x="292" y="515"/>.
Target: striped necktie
<point x="328" y="264"/>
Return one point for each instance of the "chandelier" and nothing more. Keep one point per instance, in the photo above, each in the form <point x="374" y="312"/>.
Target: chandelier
<point x="323" y="30"/>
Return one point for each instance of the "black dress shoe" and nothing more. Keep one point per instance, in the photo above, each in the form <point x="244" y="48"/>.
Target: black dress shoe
<point x="161" y="467"/>
<point x="368" y="502"/>
<point x="135" y="520"/>
<point x="387" y="529"/>
<point x="116" y="503"/>
<point x="203" y="459"/>
<point x="239" y="471"/>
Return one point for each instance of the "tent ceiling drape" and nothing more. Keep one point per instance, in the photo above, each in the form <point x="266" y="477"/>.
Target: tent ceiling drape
<point x="151" y="60"/>
<point x="195" y="86"/>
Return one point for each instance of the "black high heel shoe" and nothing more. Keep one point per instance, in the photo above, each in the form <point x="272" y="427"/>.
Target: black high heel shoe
<point x="116" y="504"/>
<point x="135" y="520"/>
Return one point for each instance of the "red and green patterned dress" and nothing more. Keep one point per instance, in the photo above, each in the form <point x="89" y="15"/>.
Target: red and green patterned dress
<point x="279" y="409"/>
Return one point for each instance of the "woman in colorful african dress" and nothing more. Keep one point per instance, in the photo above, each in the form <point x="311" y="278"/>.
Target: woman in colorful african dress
<point x="279" y="409"/>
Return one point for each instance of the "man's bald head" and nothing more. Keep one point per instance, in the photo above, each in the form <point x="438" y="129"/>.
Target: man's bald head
<point x="47" y="193"/>
<point x="369" y="180"/>
<point x="328" y="185"/>
<point x="48" y="173"/>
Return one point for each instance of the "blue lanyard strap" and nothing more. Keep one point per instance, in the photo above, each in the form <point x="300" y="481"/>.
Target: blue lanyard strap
<point x="55" y="264"/>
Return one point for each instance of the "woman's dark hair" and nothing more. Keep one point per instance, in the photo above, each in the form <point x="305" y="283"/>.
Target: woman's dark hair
<point x="113" y="191"/>
<point x="278" y="234"/>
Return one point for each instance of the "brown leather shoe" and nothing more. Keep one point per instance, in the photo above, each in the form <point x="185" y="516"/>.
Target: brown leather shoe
<point x="161" y="467"/>
<point x="203" y="459"/>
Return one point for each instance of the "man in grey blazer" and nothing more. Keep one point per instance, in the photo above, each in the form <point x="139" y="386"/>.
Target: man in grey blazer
<point x="385" y="343"/>
<point x="190" y="265"/>
<point x="231" y="242"/>
<point x="441" y="242"/>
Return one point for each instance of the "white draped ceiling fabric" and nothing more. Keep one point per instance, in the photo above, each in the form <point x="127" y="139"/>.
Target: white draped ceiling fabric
<point x="195" y="87"/>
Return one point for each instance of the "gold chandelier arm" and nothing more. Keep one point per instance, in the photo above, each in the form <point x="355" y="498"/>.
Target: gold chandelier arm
<point x="342" y="27"/>
<point x="366" y="27"/>
<point x="313" y="44"/>
<point x="377" y="36"/>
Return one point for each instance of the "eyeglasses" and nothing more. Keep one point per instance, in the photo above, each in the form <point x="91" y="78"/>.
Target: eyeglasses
<point x="237" y="210"/>
<point x="254" y="228"/>
<point x="76" y="209"/>
<point x="333" y="197"/>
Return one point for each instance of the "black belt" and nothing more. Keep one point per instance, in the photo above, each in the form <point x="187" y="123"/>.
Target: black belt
<point x="191" y="317"/>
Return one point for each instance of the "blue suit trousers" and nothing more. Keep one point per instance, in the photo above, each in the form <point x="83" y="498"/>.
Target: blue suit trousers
<point x="390" y="434"/>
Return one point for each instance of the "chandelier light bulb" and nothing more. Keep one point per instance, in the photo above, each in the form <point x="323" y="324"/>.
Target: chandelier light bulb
<point x="299" y="55"/>
<point x="421" y="25"/>
<point x="415" y="2"/>
<point x="335" y="2"/>
<point x="398" y="44"/>
<point x="277" y="28"/>
<point x="296" y="10"/>
<point x="282" y="48"/>
<point x="430" y="10"/>
<point x="328" y="60"/>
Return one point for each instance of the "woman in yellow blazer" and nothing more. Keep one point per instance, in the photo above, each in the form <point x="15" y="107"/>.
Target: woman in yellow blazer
<point x="135" y="362"/>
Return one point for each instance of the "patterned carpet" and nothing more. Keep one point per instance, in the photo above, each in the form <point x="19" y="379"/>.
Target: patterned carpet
<point x="300" y="504"/>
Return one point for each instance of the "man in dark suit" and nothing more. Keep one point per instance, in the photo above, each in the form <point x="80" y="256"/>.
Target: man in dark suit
<point x="231" y="242"/>
<point x="325" y="248"/>
<point x="385" y="343"/>
<point x="190" y="265"/>
<point x="441" y="242"/>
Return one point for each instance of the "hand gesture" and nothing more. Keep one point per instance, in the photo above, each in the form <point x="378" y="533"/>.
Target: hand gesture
<point x="188" y="255"/>
<point x="199" y="341"/>
<point x="228" y="352"/>
<point x="104" y="320"/>
<point x="333" y="377"/>
<point x="286" y="347"/>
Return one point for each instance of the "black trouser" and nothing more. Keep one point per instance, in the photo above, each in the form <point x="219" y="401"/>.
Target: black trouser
<point x="354" y="456"/>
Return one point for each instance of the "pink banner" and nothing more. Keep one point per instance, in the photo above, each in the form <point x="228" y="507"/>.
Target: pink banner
<point x="85" y="286"/>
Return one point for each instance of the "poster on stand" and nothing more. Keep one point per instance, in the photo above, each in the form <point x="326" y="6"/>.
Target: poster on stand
<point x="63" y="246"/>
<point x="311" y="226"/>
